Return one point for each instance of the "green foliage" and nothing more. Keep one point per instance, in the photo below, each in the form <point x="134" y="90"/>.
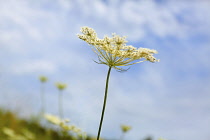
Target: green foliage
<point x="21" y="126"/>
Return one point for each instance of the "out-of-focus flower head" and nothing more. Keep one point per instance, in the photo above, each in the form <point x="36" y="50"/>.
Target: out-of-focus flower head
<point x="27" y="135"/>
<point x="60" y="86"/>
<point x="125" y="128"/>
<point x="82" y="135"/>
<point x="62" y="123"/>
<point x="43" y="79"/>
<point x="8" y="132"/>
<point x="53" y="119"/>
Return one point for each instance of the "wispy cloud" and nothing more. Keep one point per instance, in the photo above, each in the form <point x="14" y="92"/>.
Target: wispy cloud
<point x="31" y="67"/>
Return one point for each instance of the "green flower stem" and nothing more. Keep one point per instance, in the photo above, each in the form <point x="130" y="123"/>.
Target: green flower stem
<point x="42" y="89"/>
<point x="60" y="105"/>
<point x="104" y="106"/>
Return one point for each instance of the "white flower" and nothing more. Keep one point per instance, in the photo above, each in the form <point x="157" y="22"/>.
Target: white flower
<point x="114" y="52"/>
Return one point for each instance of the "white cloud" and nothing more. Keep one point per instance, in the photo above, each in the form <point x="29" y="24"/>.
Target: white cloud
<point x="33" y="66"/>
<point x="28" y="20"/>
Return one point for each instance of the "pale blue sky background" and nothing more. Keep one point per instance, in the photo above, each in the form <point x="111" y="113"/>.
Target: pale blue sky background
<point x="169" y="99"/>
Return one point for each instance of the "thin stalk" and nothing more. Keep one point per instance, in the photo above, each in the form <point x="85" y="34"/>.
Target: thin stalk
<point x="104" y="105"/>
<point x="122" y="136"/>
<point x="42" y="89"/>
<point x="60" y="105"/>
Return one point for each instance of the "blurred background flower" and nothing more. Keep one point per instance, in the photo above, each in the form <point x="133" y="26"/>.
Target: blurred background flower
<point x="60" y="87"/>
<point x="168" y="99"/>
<point x="43" y="80"/>
<point x="124" y="129"/>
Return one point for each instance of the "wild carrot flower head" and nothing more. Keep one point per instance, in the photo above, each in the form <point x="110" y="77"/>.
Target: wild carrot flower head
<point x="125" y="128"/>
<point x="113" y="51"/>
<point x="60" y="86"/>
<point x="43" y="79"/>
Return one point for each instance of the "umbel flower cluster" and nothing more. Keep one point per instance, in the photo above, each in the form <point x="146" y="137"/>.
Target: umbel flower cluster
<point x="125" y="128"/>
<point x="113" y="51"/>
<point x="63" y="124"/>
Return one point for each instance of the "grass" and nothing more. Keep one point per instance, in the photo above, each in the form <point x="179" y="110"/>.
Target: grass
<point x="10" y="120"/>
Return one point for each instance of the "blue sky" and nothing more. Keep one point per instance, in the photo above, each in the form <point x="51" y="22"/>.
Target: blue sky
<point x="168" y="99"/>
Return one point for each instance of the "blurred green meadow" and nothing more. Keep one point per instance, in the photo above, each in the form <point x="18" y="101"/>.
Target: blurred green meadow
<point x="29" y="129"/>
<point x="13" y="127"/>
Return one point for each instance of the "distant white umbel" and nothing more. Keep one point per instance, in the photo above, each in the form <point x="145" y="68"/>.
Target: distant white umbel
<point x="26" y="134"/>
<point x="63" y="124"/>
